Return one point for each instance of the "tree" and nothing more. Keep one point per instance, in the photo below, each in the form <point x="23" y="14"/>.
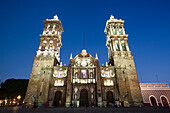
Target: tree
<point x="11" y="88"/>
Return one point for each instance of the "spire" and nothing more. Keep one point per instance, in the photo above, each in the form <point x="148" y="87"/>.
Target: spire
<point x="84" y="52"/>
<point x="96" y="56"/>
<point x="106" y="64"/>
<point x="111" y="17"/>
<point x="71" y="56"/>
<point x="61" y="64"/>
<point x="56" y="17"/>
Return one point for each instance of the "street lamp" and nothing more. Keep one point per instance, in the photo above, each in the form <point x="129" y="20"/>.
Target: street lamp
<point x="19" y="97"/>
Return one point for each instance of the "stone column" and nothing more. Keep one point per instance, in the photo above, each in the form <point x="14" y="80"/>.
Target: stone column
<point x="113" y="44"/>
<point x="68" y="87"/>
<point x="121" y="49"/>
<point x="119" y="41"/>
<point x="41" y="41"/>
<point x="108" y="52"/>
<point x="111" y="31"/>
<point x="127" y="46"/>
<point x="117" y="30"/>
<point x="99" y="89"/>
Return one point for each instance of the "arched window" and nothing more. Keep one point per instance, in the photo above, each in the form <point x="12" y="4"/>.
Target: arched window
<point x="76" y="75"/>
<point x="120" y="30"/>
<point x="51" y="45"/>
<point x="117" y="45"/>
<point x="43" y="47"/>
<point x="153" y="101"/>
<point x="91" y="75"/>
<point x="114" y="32"/>
<point x="123" y="46"/>
<point x="164" y="101"/>
<point x="44" y="43"/>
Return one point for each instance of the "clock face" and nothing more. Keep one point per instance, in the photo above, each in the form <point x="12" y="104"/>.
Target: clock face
<point x="83" y="63"/>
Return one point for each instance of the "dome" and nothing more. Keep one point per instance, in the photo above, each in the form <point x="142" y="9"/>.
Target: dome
<point x="83" y="59"/>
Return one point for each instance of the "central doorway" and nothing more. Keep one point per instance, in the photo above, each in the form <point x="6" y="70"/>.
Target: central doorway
<point x="57" y="100"/>
<point x="84" y="97"/>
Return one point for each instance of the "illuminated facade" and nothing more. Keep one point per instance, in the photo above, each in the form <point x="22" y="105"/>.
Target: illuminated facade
<point x="83" y="82"/>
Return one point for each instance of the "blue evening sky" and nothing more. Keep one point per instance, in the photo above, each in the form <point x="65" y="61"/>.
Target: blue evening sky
<point x="147" y="22"/>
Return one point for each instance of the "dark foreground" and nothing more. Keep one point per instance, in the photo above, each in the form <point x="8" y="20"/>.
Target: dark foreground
<point x="85" y="110"/>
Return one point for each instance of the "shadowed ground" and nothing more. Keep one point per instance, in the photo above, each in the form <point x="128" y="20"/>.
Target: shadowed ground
<point x="85" y="110"/>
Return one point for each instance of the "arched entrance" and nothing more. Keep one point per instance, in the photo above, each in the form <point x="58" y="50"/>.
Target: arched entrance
<point x="109" y="97"/>
<point x="84" y="97"/>
<point x="57" y="99"/>
<point x="153" y="101"/>
<point x="164" y="101"/>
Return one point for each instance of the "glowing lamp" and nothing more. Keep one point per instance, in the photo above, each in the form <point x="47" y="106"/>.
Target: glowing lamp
<point x="19" y="97"/>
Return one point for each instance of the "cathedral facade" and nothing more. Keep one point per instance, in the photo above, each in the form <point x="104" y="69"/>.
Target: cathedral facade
<point x="83" y="82"/>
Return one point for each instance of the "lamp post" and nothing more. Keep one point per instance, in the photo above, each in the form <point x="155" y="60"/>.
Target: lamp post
<point x="19" y="97"/>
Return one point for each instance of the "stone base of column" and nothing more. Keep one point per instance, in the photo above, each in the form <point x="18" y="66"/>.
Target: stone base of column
<point x="100" y="104"/>
<point x="129" y="53"/>
<point x="50" y="103"/>
<point x="116" y="53"/>
<point x="126" y="104"/>
<point x="123" y="53"/>
<point x="105" y="103"/>
<point x="67" y="104"/>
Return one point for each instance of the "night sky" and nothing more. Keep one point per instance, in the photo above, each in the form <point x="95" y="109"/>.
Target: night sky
<point x="147" y="22"/>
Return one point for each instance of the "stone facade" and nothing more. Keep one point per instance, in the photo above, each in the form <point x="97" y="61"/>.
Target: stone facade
<point x="83" y="82"/>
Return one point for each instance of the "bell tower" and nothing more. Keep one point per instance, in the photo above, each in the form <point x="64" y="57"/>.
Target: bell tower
<point x="48" y="56"/>
<point x="116" y="43"/>
<point x="120" y="57"/>
<point x="50" y="42"/>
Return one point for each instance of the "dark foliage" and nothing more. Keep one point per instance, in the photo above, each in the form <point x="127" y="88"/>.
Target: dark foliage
<point x="11" y="88"/>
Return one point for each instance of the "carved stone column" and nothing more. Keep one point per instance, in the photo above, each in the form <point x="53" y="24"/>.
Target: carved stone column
<point x="113" y="44"/>
<point x="111" y="31"/>
<point x="119" y="41"/>
<point x="127" y="46"/>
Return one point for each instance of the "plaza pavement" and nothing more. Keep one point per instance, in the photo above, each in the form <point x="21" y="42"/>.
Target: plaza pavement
<point x="85" y="110"/>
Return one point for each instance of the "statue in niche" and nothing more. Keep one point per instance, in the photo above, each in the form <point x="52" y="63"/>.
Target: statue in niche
<point x="43" y="47"/>
<point x="92" y="96"/>
<point x="51" y="46"/>
<point x="91" y="75"/>
<point x="76" y="75"/>
<point x="54" y="27"/>
<point x="48" y="26"/>
<point x="75" y="89"/>
<point x="75" y="96"/>
<point x="91" y="90"/>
